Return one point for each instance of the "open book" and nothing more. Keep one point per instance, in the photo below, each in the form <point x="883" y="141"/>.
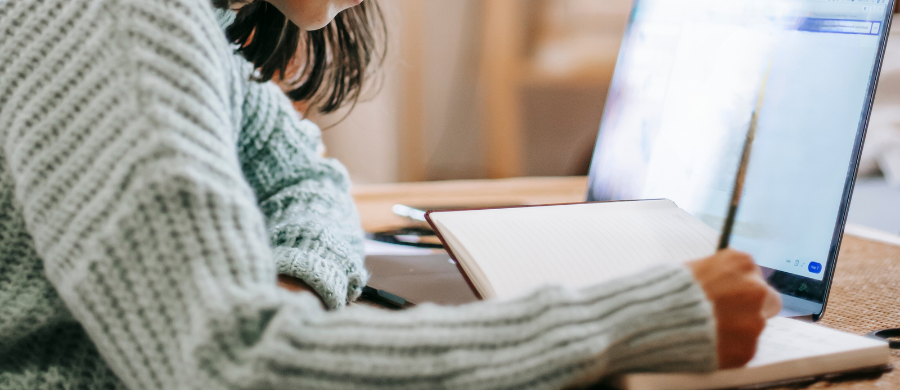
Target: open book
<point x="505" y="253"/>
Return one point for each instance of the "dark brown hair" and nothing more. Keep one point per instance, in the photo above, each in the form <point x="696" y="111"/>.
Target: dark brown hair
<point x="326" y="68"/>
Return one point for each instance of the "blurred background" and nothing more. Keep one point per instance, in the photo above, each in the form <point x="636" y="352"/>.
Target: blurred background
<point x="484" y="88"/>
<point x="507" y="88"/>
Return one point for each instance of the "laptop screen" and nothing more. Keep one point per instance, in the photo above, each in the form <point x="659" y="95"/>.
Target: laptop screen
<point x="690" y="75"/>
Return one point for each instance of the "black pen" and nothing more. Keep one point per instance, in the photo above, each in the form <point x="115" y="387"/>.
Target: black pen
<point x="383" y="298"/>
<point x="738" y="188"/>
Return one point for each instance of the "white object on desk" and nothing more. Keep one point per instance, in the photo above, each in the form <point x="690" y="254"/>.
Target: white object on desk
<point x="379" y="248"/>
<point x="871" y="234"/>
<point x="875" y="205"/>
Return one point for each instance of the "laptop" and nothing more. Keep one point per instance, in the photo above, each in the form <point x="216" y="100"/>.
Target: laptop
<point x="690" y="75"/>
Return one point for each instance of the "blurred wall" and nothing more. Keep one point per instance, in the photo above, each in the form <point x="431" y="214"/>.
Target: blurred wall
<point x="452" y="106"/>
<point x="368" y="140"/>
<point x="365" y="137"/>
<point x="427" y="117"/>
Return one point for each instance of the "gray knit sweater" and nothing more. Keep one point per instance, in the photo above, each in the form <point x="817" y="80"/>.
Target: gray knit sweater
<point x="150" y="193"/>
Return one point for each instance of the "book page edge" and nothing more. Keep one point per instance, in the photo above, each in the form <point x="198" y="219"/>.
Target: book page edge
<point x="815" y="366"/>
<point x="465" y="260"/>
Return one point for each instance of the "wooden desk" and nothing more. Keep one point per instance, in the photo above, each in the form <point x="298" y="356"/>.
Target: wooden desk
<point x="375" y="201"/>
<point x="865" y="295"/>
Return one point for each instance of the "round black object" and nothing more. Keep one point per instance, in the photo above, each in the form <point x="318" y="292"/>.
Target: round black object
<point x="887" y="334"/>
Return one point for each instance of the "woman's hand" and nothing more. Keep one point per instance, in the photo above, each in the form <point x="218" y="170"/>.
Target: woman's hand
<point x="741" y="300"/>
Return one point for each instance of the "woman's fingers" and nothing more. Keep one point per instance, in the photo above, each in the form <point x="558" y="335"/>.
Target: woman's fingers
<point x="741" y="300"/>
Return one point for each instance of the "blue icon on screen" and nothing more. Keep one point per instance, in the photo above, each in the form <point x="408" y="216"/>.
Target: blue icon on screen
<point x="815" y="267"/>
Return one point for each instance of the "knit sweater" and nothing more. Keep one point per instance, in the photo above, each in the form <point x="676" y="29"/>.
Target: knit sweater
<point x="150" y="193"/>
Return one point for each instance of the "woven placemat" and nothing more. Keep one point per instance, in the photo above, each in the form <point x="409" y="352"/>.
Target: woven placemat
<point x="865" y="297"/>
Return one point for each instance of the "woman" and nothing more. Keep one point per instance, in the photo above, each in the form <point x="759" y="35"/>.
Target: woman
<point x="152" y="186"/>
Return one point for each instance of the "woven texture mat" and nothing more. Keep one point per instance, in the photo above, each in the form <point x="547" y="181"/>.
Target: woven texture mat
<point x="865" y="297"/>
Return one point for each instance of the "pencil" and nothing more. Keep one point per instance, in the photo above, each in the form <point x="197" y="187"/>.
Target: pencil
<point x="738" y="188"/>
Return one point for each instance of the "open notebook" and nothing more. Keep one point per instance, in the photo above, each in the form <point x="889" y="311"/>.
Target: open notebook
<point x="789" y="351"/>
<point x="510" y="251"/>
<point x="505" y="253"/>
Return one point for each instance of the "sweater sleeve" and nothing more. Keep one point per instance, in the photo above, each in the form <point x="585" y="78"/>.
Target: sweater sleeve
<point x="125" y="169"/>
<point x="312" y="222"/>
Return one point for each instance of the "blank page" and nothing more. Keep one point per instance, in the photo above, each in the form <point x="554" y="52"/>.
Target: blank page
<point x="509" y="252"/>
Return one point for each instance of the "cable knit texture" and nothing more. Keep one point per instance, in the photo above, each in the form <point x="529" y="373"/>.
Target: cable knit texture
<point x="150" y="193"/>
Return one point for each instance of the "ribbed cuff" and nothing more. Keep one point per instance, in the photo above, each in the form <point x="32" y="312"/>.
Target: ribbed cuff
<point x="668" y="327"/>
<point x="336" y="282"/>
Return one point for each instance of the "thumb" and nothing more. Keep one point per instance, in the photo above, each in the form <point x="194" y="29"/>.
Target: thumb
<point x="772" y="303"/>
